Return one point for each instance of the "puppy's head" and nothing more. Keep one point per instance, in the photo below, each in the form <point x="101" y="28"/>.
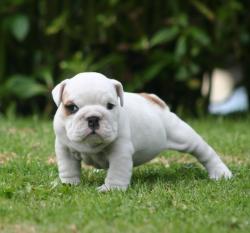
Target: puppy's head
<point x="88" y="104"/>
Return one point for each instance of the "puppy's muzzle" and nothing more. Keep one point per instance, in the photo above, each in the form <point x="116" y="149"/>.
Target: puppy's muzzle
<point x="93" y="122"/>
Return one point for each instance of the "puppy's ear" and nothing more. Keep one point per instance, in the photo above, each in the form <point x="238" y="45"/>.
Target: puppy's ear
<point x="58" y="91"/>
<point x="119" y="90"/>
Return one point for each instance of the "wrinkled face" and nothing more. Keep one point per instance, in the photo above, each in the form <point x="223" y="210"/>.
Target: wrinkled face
<point x="90" y="108"/>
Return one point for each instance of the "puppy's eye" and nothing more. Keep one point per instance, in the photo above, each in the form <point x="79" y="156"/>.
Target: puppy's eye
<point x="71" y="108"/>
<point x="110" y="106"/>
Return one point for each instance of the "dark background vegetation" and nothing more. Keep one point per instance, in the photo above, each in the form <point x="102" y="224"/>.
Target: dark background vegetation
<point x="161" y="46"/>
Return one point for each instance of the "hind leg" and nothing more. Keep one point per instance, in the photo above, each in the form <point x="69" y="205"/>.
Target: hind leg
<point x="182" y="137"/>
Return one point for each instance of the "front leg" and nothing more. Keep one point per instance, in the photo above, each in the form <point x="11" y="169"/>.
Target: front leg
<point x="182" y="137"/>
<point x="68" y="166"/>
<point x="120" y="167"/>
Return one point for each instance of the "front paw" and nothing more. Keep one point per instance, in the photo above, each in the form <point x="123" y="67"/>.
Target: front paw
<point x="108" y="187"/>
<point x="219" y="171"/>
<point x="70" y="180"/>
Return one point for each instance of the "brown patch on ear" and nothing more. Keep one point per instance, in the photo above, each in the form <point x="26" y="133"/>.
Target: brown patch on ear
<point x="65" y="97"/>
<point x="65" y="101"/>
<point x="154" y="99"/>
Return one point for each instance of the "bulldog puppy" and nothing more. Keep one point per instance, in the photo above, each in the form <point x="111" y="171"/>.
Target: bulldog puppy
<point x="92" y="125"/>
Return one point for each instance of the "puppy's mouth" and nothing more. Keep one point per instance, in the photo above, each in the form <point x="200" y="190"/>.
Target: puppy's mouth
<point x="94" y="139"/>
<point x="93" y="132"/>
<point x="92" y="136"/>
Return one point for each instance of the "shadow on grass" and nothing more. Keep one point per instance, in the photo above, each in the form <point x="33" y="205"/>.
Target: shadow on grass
<point x="173" y="174"/>
<point x="151" y="174"/>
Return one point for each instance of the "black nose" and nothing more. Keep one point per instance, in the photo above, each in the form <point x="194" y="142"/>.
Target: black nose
<point x="93" y="122"/>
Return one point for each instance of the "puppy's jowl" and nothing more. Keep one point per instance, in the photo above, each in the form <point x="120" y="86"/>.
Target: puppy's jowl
<point x="107" y="128"/>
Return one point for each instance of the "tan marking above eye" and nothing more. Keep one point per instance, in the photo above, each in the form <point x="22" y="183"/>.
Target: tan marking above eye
<point x="154" y="99"/>
<point x="66" y="101"/>
<point x="65" y="97"/>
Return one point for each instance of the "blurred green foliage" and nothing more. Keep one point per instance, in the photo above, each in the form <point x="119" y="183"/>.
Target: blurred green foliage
<point x="160" y="46"/>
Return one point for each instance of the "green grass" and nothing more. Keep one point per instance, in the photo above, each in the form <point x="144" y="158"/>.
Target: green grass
<point x="172" y="194"/>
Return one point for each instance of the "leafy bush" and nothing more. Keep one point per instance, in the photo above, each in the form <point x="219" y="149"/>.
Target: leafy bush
<point x="159" y="46"/>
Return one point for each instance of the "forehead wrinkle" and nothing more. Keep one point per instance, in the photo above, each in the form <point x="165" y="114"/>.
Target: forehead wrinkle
<point x="97" y="97"/>
<point x="90" y="92"/>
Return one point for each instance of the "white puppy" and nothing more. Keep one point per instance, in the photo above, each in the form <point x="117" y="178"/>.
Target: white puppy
<point x="91" y="125"/>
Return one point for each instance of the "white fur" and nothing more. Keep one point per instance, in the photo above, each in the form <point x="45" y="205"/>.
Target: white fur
<point x="128" y="136"/>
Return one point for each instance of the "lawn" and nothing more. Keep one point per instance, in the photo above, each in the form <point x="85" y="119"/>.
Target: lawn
<point x="170" y="194"/>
